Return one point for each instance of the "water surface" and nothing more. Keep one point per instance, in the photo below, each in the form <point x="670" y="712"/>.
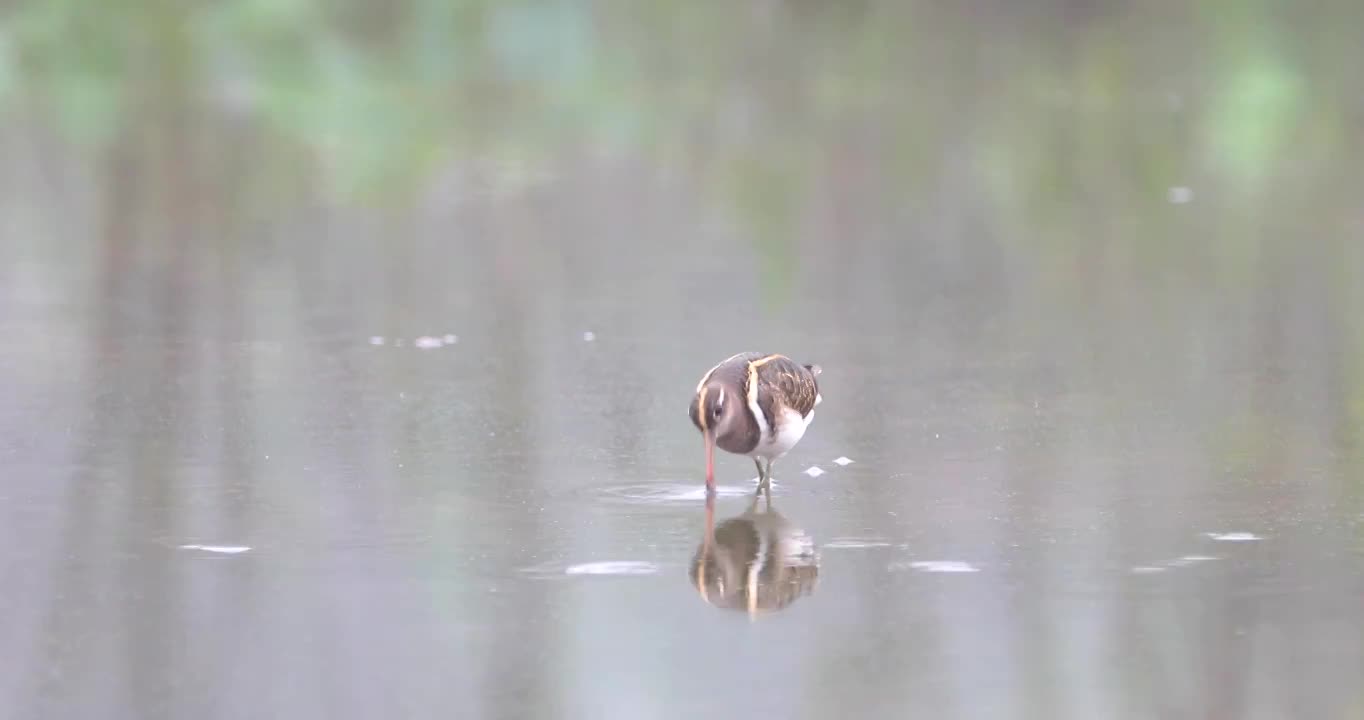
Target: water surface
<point x="345" y="359"/>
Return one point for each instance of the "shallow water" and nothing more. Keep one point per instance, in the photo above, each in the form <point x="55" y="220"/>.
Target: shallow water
<point x="341" y="384"/>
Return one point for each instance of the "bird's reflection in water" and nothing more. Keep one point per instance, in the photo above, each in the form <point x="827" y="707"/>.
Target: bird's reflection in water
<point x="757" y="562"/>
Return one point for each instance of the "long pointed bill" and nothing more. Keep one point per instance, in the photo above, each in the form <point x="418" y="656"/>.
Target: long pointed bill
<point x="710" y="463"/>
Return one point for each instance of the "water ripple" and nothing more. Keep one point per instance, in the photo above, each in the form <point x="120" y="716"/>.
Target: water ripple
<point x="855" y="543"/>
<point x="664" y="493"/>
<point x="936" y="566"/>
<point x="603" y="567"/>
<point x="613" y="567"/>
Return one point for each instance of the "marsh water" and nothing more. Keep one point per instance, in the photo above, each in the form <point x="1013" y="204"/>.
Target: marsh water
<point x="345" y="358"/>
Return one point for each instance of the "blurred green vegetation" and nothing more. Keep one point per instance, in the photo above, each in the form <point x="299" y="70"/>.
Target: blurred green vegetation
<point x="1076" y="124"/>
<point x="387" y="94"/>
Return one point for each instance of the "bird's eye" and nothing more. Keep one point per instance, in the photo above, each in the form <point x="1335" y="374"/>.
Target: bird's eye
<point x="715" y="411"/>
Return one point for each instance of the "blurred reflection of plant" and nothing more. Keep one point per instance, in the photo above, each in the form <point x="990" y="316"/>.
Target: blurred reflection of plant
<point x="1075" y="130"/>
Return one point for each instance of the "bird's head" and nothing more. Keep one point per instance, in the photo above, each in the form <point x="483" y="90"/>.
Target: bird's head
<point x="713" y="412"/>
<point x="713" y="408"/>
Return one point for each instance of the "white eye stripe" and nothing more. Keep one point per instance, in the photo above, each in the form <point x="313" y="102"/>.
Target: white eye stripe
<point x="720" y="400"/>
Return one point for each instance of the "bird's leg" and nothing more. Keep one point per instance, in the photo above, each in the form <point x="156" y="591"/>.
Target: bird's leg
<point x="764" y="473"/>
<point x="758" y="491"/>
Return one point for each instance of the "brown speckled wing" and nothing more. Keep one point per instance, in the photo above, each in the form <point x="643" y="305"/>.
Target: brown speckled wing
<point x="788" y="383"/>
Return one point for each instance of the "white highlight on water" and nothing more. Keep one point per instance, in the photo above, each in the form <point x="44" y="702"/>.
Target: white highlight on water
<point x="1185" y="561"/>
<point x="843" y="460"/>
<point x="944" y="566"/>
<point x="613" y="567"/>
<point x="426" y="342"/>
<point x="1233" y="536"/>
<point x="855" y="543"/>
<point x="589" y="336"/>
<point x="376" y="340"/>
<point x="814" y="471"/>
<point x="224" y="549"/>
<point x="1191" y="560"/>
<point x="1179" y="195"/>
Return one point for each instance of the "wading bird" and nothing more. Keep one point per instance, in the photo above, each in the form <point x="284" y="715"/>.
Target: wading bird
<point x="754" y="404"/>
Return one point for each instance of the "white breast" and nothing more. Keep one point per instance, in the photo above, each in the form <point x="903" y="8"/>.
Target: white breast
<point x="790" y="428"/>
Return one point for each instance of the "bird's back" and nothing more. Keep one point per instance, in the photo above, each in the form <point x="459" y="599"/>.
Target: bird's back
<point x="790" y="383"/>
<point x="732" y="370"/>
